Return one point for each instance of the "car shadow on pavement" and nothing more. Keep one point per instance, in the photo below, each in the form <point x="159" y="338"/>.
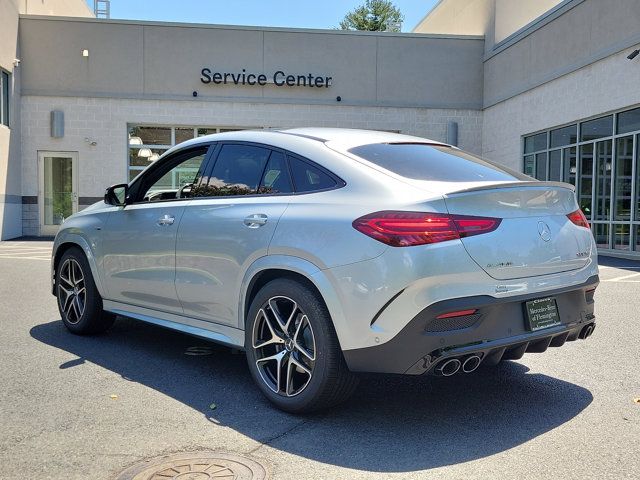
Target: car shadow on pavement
<point x="391" y="424"/>
<point x="619" y="263"/>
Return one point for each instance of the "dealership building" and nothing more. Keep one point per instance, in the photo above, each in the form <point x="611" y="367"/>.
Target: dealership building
<point x="547" y="87"/>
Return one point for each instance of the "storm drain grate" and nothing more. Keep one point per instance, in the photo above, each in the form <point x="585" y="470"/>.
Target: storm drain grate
<point x="196" y="466"/>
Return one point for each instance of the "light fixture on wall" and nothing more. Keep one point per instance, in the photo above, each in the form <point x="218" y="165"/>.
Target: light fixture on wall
<point x="633" y="54"/>
<point x="135" y="141"/>
<point x="16" y="62"/>
<point x="145" y="153"/>
<point x="154" y="157"/>
<point x="85" y="52"/>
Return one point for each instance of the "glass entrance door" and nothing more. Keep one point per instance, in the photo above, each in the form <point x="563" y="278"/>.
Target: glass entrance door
<point x="58" y="195"/>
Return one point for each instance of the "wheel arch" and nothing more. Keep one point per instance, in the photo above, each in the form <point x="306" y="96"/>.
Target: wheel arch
<point x="65" y="241"/>
<point x="269" y="268"/>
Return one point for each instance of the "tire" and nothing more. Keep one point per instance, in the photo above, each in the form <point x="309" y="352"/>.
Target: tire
<point x="311" y="345"/>
<point x="79" y="302"/>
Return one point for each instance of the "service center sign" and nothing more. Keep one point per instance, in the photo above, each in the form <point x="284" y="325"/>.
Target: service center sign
<point x="279" y="79"/>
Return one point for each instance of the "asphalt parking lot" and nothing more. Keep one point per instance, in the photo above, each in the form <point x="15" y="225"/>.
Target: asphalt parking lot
<point x="89" y="407"/>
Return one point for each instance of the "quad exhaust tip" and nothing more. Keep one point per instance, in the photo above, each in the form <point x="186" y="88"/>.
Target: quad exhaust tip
<point x="450" y="367"/>
<point x="587" y="331"/>
<point x="471" y="364"/>
<point x="454" y="365"/>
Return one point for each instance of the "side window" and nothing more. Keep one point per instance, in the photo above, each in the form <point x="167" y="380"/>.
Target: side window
<point x="178" y="181"/>
<point x="237" y="171"/>
<point x="307" y="178"/>
<point x="275" y="178"/>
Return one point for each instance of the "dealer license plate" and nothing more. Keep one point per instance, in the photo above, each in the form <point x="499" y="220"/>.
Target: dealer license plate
<point x="541" y="313"/>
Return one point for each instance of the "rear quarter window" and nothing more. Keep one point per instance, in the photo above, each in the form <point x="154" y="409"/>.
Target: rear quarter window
<point x="421" y="161"/>
<point x="308" y="178"/>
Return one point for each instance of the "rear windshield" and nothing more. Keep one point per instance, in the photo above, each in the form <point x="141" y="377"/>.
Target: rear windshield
<point x="421" y="161"/>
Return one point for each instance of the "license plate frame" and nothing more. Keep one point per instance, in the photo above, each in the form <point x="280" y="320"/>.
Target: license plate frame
<point x="541" y="313"/>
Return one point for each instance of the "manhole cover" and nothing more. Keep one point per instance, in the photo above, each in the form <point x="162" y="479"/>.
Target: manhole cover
<point x="196" y="466"/>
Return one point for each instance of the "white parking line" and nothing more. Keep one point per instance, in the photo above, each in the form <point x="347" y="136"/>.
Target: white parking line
<point x="17" y="249"/>
<point x="621" y="267"/>
<point x="16" y="252"/>
<point x="623" y="277"/>
<point x="25" y="251"/>
<point x="48" y="259"/>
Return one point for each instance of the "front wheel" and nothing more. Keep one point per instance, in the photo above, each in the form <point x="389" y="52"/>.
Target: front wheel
<point x="79" y="302"/>
<point x="293" y="351"/>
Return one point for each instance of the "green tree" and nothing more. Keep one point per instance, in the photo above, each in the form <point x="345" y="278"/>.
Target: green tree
<point x="374" y="16"/>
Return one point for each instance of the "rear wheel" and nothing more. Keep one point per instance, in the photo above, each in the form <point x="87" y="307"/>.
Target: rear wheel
<point x="79" y="302"/>
<point x="293" y="351"/>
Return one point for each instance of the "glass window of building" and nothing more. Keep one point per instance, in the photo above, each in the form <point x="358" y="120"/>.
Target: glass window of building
<point x="555" y="165"/>
<point x="535" y="143"/>
<point x="148" y="142"/>
<point x="563" y="136"/>
<point x="4" y="97"/>
<point x="541" y="166"/>
<point x="622" y="189"/>
<point x="628" y="121"/>
<point x="603" y="164"/>
<point x="597" y="128"/>
<point x="530" y="165"/>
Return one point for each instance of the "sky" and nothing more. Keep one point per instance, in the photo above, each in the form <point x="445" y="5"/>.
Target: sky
<point x="271" y="13"/>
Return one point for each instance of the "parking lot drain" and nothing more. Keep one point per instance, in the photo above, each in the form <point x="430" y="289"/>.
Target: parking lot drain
<point x="196" y="466"/>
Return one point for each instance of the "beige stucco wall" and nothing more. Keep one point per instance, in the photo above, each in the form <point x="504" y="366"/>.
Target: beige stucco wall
<point x="10" y="181"/>
<point x="460" y="17"/>
<point x="511" y="16"/>
<point x="8" y="32"/>
<point x="105" y="121"/>
<point x="604" y="86"/>
<point x="495" y="19"/>
<point x="63" y="8"/>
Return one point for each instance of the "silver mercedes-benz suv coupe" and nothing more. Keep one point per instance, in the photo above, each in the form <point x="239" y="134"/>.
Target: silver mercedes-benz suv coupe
<point x="325" y="252"/>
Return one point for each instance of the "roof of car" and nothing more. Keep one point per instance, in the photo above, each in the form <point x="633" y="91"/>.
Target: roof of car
<point x="355" y="136"/>
<point x="350" y="136"/>
<point x="341" y="138"/>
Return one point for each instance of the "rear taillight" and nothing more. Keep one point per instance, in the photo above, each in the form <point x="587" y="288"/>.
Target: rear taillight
<point x="404" y="229"/>
<point x="578" y="219"/>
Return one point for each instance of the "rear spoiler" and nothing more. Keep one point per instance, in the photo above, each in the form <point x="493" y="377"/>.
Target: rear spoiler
<point x="500" y="186"/>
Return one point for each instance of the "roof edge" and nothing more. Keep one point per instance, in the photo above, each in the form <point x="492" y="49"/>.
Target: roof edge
<point x="328" y="31"/>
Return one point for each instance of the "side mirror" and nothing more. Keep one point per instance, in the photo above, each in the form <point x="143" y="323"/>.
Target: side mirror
<point x="116" y="195"/>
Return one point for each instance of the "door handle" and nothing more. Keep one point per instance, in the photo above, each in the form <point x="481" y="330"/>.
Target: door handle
<point x="165" y="220"/>
<point x="256" y="220"/>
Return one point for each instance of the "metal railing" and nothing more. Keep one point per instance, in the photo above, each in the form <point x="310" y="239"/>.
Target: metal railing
<point x="102" y="8"/>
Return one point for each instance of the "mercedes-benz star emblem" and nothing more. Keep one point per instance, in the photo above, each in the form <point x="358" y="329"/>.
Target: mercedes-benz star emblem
<point x="544" y="231"/>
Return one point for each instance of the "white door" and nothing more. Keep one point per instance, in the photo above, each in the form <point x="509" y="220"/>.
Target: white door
<point x="58" y="189"/>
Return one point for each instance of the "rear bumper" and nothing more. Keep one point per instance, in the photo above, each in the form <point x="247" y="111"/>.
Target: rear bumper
<point x="496" y="331"/>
